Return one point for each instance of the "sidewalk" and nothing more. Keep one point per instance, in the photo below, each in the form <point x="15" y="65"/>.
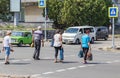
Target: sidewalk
<point x="110" y="48"/>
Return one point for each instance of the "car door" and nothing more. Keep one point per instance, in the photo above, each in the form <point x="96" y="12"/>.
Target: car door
<point x="27" y="38"/>
<point x="80" y="33"/>
<point x="98" y="33"/>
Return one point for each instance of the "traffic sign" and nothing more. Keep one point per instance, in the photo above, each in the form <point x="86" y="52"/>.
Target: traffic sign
<point x="113" y="12"/>
<point x="41" y="3"/>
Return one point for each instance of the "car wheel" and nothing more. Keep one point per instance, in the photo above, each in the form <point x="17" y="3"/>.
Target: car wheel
<point x="105" y="38"/>
<point x="63" y="42"/>
<point x="77" y="41"/>
<point x="20" y="44"/>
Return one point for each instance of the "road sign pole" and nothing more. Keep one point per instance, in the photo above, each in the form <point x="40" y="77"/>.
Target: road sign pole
<point x="113" y="12"/>
<point x="15" y="19"/>
<point x="42" y="4"/>
<point x="113" y="38"/>
<point x="113" y="27"/>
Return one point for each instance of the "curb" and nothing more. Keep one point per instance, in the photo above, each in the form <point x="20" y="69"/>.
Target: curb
<point x="18" y="76"/>
<point x="14" y="76"/>
<point x="116" y="49"/>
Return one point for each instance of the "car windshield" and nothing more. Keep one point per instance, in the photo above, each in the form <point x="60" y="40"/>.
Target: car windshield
<point x="71" y="30"/>
<point x="17" y="34"/>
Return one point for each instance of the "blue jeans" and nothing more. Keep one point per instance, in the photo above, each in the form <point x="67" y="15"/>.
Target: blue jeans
<point x="7" y="50"/>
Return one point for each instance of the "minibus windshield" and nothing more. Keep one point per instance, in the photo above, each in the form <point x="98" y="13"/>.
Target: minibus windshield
<point x="71" y="30"/>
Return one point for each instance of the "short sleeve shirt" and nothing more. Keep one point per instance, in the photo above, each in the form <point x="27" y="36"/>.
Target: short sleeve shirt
<point x="6" y="41"/>
<point x="38" y="35"/>
<point x="85" y="40"/>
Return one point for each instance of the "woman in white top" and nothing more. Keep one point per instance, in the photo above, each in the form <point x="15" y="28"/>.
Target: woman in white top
<point x="57" y="43"/>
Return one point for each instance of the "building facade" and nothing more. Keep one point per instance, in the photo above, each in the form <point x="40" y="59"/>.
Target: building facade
<point x="31" y="12"/>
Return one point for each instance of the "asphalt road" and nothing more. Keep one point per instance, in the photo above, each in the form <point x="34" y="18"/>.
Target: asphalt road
<point x="104" y="65"/>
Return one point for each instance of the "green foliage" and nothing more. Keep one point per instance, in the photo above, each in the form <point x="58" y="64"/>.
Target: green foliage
<point x="54" y="10"/>
<point x="5" y="10"/>
<point x="65" y="13"/>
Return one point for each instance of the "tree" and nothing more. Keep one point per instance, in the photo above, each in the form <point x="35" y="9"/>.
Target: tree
<point x="54" y="11"/>
<point x="4" y="10"/>
<point x="78" y="12"/>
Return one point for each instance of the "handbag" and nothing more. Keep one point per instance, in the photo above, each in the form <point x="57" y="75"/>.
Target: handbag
<point x="32" y="45"/>
<point x="52" y="42"/>
<point x="80" y="54"/>
<point x="62" y="54"/>
<point x="89" y="56"/>
<point x="11" y="50"/>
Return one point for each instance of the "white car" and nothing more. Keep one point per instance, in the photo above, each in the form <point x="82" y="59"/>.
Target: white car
<point x="73" y="34"/>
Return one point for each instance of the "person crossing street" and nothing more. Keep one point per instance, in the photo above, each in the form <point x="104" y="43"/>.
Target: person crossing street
<point x="38" y="40"/>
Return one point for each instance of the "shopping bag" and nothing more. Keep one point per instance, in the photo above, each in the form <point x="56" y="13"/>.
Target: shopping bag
<point x="80" y="54"/>
<point x="89" y="56"/>
<point x="62" y="54"/>
<point x="11" y="50"/>
<point x="32" y="45"/>
<point x="52" y="42"/>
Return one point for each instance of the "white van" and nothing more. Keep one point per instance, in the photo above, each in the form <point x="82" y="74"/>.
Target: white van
<point x="73" y="34"/>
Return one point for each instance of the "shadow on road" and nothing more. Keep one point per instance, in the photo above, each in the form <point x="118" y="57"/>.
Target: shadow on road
<point x="4" y="58"/>
<point x="19" y="63"/>
<point x="66" y="62"/>
<point x="47" y="59"/>
<point x="96" y="63"/>
<point x="22" y="46"/>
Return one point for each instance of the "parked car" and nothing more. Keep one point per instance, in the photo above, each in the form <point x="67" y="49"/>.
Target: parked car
<point x="21" y="37"/>
<point x="101" y="32"/>
<point x="73" y="34"/>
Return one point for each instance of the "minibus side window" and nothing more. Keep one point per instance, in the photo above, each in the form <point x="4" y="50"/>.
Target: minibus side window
<point x="81" y="30"/>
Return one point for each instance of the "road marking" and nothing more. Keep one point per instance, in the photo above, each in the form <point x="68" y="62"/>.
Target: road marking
<point x="26" y="59"/>
<point x="81" y="66"/>
<point x="72" y="68"/>
<point x="15" y="60"/>
<point x="2" y="62"/>
<point x="60" y="70"/>
<point x="109" y="62"/>
<point x="116" y="60"/>
<point x="35" y="75"/>
<point x="91" y="65"/>
<point x="48" y="73"/>
<point x="66" y="69"/>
